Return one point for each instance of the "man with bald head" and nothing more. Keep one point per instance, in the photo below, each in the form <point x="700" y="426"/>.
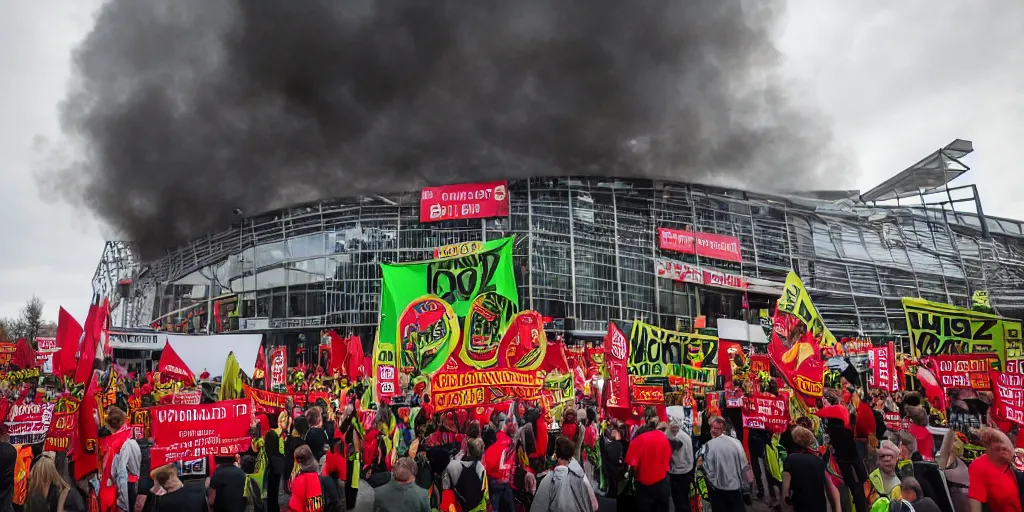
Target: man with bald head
<point x="993" y="482"/>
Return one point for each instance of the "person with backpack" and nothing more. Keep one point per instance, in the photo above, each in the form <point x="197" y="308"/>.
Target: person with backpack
<point x="253" y="494"/>
<point x="467" y="480"/>
<point x="566" y="488"/>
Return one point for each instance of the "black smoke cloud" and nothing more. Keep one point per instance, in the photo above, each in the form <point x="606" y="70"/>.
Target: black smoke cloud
<point x="184" y="110"/>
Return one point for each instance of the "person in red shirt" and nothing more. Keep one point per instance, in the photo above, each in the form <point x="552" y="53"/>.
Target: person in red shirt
<point x="307" y="495"/>
<point x="649" y="454"/>
<point x="499" y="461"/>
<point x="919" y="429"/>
<point x="993" y="482"/>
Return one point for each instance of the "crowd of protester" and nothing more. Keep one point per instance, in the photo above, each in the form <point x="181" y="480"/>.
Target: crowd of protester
<point x="322" y="457"/>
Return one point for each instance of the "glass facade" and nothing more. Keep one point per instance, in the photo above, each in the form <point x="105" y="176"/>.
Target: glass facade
<point x="586" y="250"/>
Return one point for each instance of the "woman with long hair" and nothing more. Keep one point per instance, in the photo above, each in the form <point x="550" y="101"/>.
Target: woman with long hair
<point x="48" y="491"/>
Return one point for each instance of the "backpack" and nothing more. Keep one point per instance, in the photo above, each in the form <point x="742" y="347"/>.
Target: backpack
<point x="331" y="492"/>
<point x="253" y="496"/>
<point x="469" y="490"/>
<point x="424" y="475"/>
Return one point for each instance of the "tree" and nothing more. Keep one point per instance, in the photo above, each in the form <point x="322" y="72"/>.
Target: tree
<point x="29" y="324"/>
<point x="32" y="317"/>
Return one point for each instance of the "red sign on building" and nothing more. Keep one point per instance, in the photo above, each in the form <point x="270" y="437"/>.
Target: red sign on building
<point x="464" y="201"/>
<point x="709" y="245"/>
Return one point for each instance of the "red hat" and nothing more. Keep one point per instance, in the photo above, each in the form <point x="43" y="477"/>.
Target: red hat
<point x="836" y="412"/>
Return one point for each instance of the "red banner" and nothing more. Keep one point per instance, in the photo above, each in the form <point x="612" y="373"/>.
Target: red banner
<point x="883" y="366"/>
<point x="616" y="355"/>
<point x="28" y="422"/>
<point x="962" y="371"/>
<point x="62" y="426"/>
<point x="646" y="394"/>
<point x="709" y="245"/>
<point x="7" y="351"/>
<point x="464" y="201"/>
<point x="759" y="363"/>
<point x="278" y="368"/>
<point x="686" y="273"/>
<point x="191" y="450"/>
<point x="193" y="397"/>
<point x="766" y="413"/>
<point x="186" y="432"/>
<point x="1009" y="393"/>
<point x="893" y="420"/>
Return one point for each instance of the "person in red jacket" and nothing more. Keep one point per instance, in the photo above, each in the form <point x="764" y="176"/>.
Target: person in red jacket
<point x="499" y="462"/>
<point x="307" y="495"/>
<point x="864" y="431"/>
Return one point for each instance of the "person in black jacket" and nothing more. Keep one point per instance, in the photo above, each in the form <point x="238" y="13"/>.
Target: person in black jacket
<point x="316" y="438"/>
<point x="275" y="464"/>
<point x="854" y="474"/>
<point x="295" y="439"/>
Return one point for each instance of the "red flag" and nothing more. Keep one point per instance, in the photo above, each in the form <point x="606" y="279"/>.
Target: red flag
<point x="171" y="367"/>
<point x="796" y="354"/>
<point x="86" y="441"/>
<point x="69" y="333"/>
<point x="24" y="357"/>
<point x="727" y="352"/>
<point x="103" y="330"/>
<point x="87" y="348"/>
<point x="339" y="351"/>
<point x="354" y="361"/>
<point x="616" y="356"/>
<point x="260" y="372"/>
<point x="932" y="389"/>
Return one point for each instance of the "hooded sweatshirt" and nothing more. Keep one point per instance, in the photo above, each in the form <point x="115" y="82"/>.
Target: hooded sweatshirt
<point x="565" y="489"/>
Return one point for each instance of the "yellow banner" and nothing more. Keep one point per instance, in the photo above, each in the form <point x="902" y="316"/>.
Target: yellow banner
<point x="796" y="301"/>
<point x="456" y="250"/>
<point x="937" y="329"/>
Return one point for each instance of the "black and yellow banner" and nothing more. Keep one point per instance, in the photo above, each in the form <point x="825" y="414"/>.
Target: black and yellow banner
<point x="657" y="352"/>
<point x="937" y="329"/>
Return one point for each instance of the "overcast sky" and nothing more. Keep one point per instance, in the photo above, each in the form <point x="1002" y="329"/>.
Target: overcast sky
<point x="897" y="80"/>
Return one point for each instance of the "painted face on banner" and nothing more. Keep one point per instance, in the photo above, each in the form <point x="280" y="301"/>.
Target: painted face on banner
<point x="429" y="329"/>
<point x="486" y="321"/>
<point x="524" y="342"/>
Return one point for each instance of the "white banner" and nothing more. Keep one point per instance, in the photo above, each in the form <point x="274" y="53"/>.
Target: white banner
<point x="138" y="340"/>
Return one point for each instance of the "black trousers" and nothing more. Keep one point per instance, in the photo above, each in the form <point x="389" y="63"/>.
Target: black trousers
<point x="351" y="495"/>
<point x="854" y="475"/>
<point x="726" y="501"/>
<point x="273" y="492"/>
<point x="680" y="485"/>
<point x="133" y="492"/>
<point x="653" y="498"/>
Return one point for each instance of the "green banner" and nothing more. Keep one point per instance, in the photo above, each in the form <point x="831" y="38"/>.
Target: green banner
<point x="946" y="329"/>
<point x="657" y="352"/>
<point x="424" y="305"/>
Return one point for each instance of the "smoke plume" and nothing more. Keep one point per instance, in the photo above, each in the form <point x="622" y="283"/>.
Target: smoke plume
<point x="184" y="110"/>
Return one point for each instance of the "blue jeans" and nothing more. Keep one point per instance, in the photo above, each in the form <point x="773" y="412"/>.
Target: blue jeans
<point x="501" y="496"/>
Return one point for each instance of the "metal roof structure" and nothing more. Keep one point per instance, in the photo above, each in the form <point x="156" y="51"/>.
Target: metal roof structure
<point x="930" y="173"/>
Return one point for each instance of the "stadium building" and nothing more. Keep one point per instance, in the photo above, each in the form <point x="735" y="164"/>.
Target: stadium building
<point x="590" y="249"/>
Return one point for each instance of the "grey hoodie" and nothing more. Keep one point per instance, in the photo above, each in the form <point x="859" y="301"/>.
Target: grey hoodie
<point x="565" y="489"/>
